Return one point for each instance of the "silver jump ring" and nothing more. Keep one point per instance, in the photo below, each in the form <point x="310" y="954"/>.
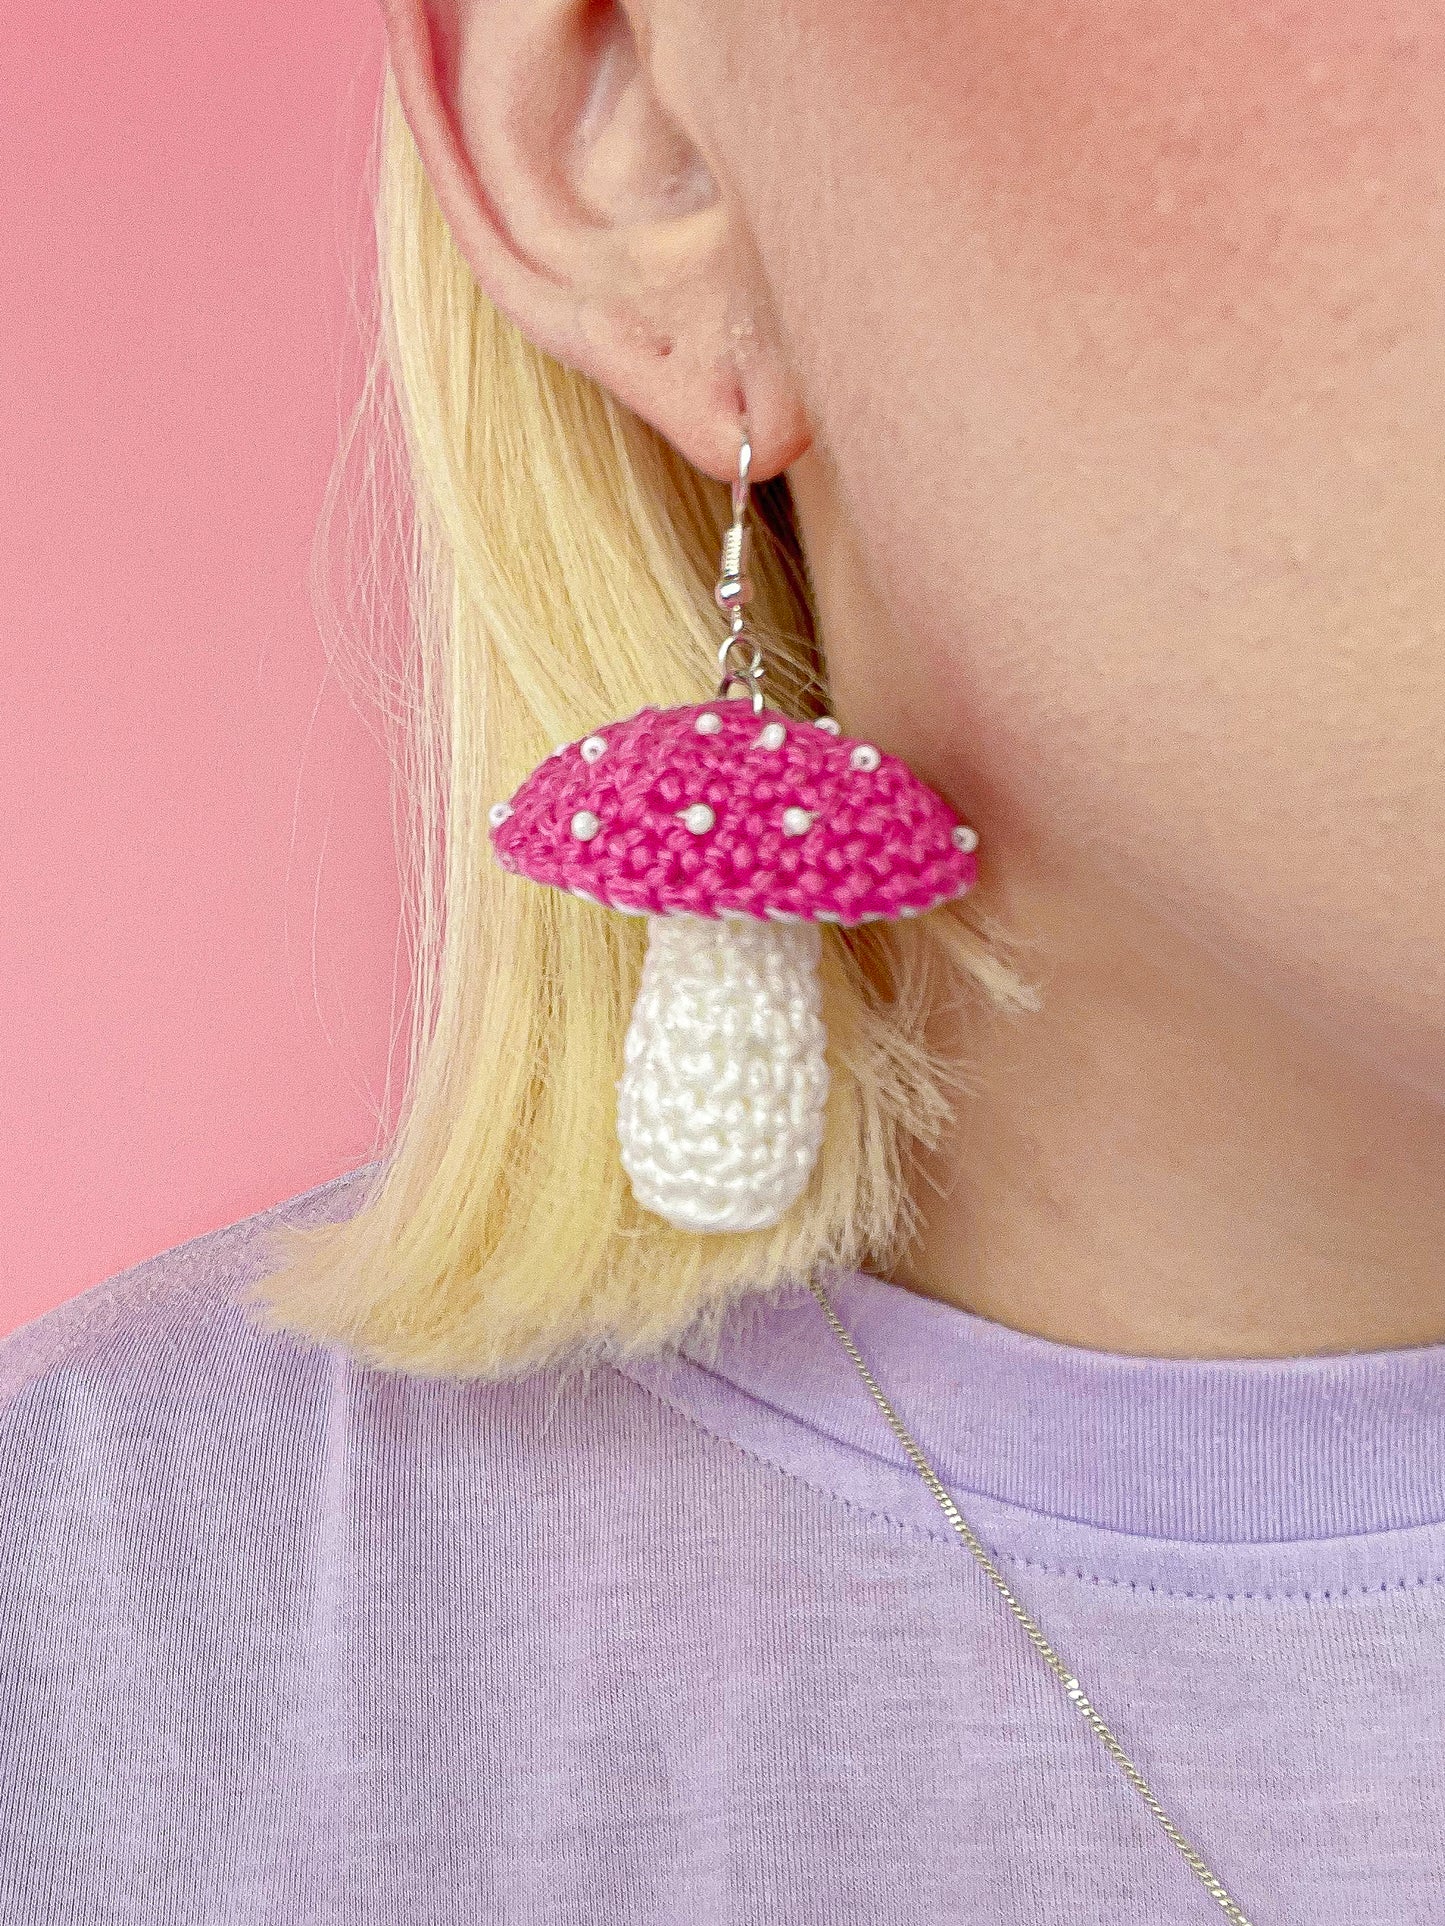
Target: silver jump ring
<point x="752" y="670"/>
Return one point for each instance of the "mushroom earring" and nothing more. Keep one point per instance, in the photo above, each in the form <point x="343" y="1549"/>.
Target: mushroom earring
<point x="736" y="831"/>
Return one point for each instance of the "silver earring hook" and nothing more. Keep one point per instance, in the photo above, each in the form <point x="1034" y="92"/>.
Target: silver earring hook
<point x="735" y="590"/>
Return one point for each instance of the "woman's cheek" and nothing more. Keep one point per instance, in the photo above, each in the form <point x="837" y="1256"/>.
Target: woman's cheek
<point x="1225" y="177"/>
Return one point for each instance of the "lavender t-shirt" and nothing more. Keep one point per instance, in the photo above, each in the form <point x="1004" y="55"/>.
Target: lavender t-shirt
<point x="283" y="1639"/>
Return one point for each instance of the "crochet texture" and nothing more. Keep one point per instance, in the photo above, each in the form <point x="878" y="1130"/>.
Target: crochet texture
<point x="736" y="833"/>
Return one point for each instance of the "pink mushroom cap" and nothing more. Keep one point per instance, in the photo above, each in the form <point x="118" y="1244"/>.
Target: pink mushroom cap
<point x="878" y="842"/>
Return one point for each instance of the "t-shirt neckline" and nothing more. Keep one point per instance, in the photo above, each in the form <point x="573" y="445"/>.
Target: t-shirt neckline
<point x="1318" y="1470"/>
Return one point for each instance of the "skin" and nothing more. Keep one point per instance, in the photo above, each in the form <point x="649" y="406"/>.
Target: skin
<point x="1104" y="348"/>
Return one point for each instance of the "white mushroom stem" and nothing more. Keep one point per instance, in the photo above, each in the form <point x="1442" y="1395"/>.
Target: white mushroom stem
<point x="720" y="1106"/>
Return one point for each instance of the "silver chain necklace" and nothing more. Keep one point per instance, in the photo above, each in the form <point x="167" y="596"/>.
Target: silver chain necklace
<point x="1061" y="1672"/>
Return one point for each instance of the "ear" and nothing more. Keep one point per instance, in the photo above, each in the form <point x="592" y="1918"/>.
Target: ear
<point x="567" y="171"/>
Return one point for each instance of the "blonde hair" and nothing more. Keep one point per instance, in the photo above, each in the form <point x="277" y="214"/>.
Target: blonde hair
<point x="561" y="559"/>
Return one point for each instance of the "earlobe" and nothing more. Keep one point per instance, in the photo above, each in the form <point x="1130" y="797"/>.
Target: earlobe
<point x="589" y="215"/>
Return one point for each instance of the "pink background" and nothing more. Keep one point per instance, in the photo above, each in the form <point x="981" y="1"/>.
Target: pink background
<point x="199" y="924"/>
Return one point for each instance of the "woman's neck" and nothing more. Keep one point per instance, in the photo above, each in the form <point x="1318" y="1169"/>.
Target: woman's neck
<point x="1162" y="1162"/>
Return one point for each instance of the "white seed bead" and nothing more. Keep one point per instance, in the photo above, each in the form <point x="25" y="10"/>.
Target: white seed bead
<point x="593" y="747"/>
<point x="498" y="814"/>
<point x="708" y="723"/>
<point x="829" y="725"/>
<point x="561" y="749"/>
<point x="585" y="825"/>
<point x="964" y="837"/>
<point x="797" y="822"/>
<point x="698" y="818"/>
<point x="773" y="736"/>
<point x="865" y="756"/>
